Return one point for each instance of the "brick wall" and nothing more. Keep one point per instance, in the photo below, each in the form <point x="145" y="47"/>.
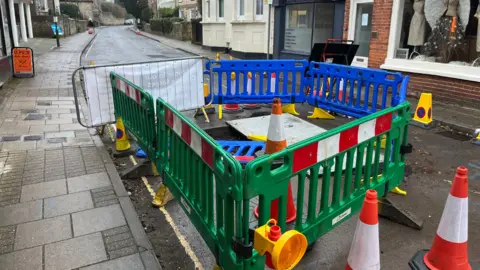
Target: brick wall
<point x="382" y="12"/>
<point x="346" y="19"/>
<point x="446" y="89"/>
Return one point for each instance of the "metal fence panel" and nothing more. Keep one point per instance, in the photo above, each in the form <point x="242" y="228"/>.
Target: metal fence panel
<point x="179" y="81"/>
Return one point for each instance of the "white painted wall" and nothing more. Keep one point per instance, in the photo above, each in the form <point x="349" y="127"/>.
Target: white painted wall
<point x="242" y="33"/>
<point x="167" y="3"/>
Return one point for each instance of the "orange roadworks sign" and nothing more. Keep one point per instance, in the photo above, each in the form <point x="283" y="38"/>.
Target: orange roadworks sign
<point x="22" y="58"/>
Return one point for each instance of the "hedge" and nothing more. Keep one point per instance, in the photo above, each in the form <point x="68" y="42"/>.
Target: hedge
<point x="164" y="25"/>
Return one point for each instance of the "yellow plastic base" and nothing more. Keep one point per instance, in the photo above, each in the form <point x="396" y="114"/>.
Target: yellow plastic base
<point x="257" y="138"/>
<point x="286" y="252"/>
<point x="154" y="170"/>
<point x="220" y="112"/>
<point x="383" y="142"/>
<point x="320" y="114"/>
<point x="162" y="196"/>
<point x="399" y="191"/>
<point x="290" y="108"/>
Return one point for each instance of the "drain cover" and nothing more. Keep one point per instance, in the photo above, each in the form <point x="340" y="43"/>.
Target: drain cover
<point x="454" y="135"/>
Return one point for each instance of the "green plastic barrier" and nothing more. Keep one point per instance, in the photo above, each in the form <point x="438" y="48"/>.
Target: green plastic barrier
<point x="136" y="108"/>
<point x="332" y="195"/>
<point x="204" y="178"/>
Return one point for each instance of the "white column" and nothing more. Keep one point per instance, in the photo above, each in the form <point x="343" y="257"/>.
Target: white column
<point x="45" y="5"/>
<point x="57" y="6"/>
<point x="23" y="27"/>
<point x="29" y="21"/>
<point x="14" y="22"/>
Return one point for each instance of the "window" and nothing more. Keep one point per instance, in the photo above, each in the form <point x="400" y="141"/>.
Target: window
<point x="241" y="8"/>
<point x="259" y="8"/>
<point x="208" y="8"/>
<point x="221" y="8"/>
<point x="298" y="29"/>
<point x="451" y="37"/>
<point x="323" y="28"/>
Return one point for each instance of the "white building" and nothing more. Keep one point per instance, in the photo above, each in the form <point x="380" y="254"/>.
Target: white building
<point x="239" y="25"/>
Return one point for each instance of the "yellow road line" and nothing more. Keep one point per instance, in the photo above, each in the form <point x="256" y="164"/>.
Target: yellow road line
<point x="183" y="242"/>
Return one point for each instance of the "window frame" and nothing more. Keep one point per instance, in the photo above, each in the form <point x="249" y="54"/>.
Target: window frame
<point x="221" y="9"/>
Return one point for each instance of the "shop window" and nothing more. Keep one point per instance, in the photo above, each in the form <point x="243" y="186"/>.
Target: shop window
<point x="440" y="32"/>
<point x="307" y="24"/>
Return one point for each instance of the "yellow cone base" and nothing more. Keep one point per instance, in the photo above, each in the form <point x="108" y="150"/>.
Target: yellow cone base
<point x="399" y="191"/>
<point x="422" y="124"/>
<point x="290" y="108"/>
<point x="162" y="196"/>
<point x="320" y="114"/>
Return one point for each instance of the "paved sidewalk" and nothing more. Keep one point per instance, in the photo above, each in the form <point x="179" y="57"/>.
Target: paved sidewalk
<point x="62" y="203"/>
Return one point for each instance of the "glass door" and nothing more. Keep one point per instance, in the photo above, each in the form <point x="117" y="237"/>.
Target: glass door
<point x="363" y="31"/>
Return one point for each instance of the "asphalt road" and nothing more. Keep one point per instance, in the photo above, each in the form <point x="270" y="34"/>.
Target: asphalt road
<point x="119" y="44"/>
<point x="430" y="170"/>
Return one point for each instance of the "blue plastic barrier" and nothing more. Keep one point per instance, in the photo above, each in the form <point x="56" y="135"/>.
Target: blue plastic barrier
<point x="365" y="90"/>
<point x="226" y="91"/>
<point x="242" y="148"/>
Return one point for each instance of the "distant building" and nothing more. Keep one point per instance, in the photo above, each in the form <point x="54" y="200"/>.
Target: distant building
<point x="188" y="9"/>
<point x="240" y="26"/>
<point x="167" y="3"/>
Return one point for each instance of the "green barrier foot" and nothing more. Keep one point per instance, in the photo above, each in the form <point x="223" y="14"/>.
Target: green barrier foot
<point x="388" y="210"/>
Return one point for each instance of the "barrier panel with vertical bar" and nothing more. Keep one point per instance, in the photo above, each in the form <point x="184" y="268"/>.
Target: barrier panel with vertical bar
<point x="333" y="170"/>
<point x="354" y="91"/>
<point x="204" y="178"/>
<point x="136" y="108"/>
<point x="254" y="82"/>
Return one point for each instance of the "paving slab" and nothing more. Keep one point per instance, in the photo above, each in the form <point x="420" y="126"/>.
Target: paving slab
<point x="98" y="219"/>
<point x="74" y="253"/>
<point x="66" y="127"/>
<point x="18" y="146"/>
<point x="30" y="259"/>
<point x="20" y="212"/>
<point x="42" y="232"/>
<point x="65" y="204"/>
<point x="132" y="262"/>
<point x="87" y="182"/>
<point x="43" y="190"/>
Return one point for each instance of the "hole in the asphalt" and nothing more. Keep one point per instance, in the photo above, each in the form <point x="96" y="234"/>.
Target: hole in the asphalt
<point x="454" y="135"/>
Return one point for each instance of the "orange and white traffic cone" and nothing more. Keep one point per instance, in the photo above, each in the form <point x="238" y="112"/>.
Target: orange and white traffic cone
<point x="249" y="91"/>
<point x="277" y="141"/>
<point x="449" y="249"/>
<point x="450" y="245"/>
<point x="233" y="108"/>
<point x="365" y="249"/>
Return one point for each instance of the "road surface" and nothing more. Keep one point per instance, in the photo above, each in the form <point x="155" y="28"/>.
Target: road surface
<point x="430" y="170"/>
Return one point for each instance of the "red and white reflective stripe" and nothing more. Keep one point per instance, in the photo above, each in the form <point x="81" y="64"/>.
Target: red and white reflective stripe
<point x="276" y="132"/>
<point x="453" y="225"/>
<point x="321" y="150"/>
<point x="130" y="91"/>
<point x="273" y="83"/>
<point x="365" y="249"/>
<point x="203" y="148"/>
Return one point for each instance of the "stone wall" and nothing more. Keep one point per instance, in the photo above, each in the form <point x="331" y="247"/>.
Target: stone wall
<point x="87" y="8"/>
<point x="42" y="26"/>
<point x="106" y="18"/>
<point x="180" y="31"/>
